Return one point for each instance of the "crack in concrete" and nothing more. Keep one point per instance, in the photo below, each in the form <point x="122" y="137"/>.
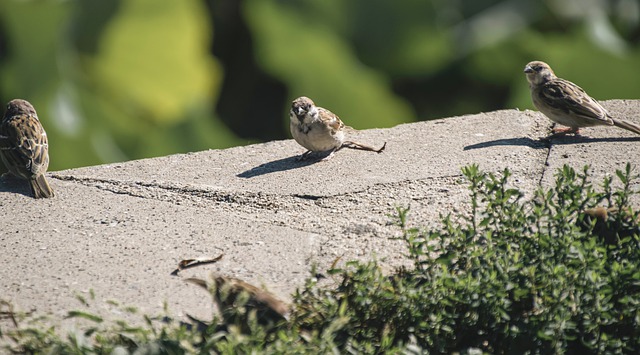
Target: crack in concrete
<point x="353" y="223"/>
<point x="549" y="146"/>
<point x="240" y="198"/>
<point x="308" y="197"/>
<point x="307" y="213"/>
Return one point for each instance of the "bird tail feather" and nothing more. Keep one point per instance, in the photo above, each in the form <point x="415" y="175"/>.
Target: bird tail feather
<point x="629" y="126"/>
<point x="40" y="187"/>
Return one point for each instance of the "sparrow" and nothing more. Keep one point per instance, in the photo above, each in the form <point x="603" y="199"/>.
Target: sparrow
<point x="610" y="224"/>
<point x="24" y="148"/>
<point x="320" y="130"/>
<point x="236" y="299"/>
<point x="566" y="103"/>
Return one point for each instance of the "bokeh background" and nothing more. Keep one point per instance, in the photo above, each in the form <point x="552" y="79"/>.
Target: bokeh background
<point x="114" y="80"/>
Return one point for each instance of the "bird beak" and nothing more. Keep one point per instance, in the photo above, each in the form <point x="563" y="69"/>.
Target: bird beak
<point x="299" y="111"/>
<point x="528" y="69"/>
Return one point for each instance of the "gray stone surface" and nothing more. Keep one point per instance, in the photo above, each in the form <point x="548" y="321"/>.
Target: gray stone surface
<point x="121" y="229"/>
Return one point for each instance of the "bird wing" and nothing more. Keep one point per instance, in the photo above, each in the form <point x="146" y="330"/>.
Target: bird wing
<point x="331" y="120"/>
<point x="265" y="302"/>
<point x="24" y="143"/>
<point x="570" y="98"/>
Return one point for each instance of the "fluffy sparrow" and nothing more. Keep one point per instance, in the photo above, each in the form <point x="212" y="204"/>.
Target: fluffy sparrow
<point x="566" y="103"/>
<point x="320" y="130"/>
<point x="23" y="146"/>
<point x="236" y="299"/>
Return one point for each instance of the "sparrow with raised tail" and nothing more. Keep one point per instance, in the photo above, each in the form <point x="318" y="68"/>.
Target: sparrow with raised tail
<point x="320" y="130"/>
<point x="236" y="298"/>
<point x="24" y="148"/>
<point x="566" y="103"/>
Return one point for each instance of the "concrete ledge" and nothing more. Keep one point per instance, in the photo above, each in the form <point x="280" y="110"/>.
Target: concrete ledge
<point x="121" y="229"/>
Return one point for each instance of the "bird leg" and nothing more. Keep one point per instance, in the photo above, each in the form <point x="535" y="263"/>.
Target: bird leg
<point x="561" y="132"/>
<point x="566" y="130"/>
<point x="304" y="155"/>
<point x="333" y="151"/>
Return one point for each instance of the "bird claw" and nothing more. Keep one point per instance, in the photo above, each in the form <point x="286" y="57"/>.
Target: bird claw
<point x="329" y="156"/>
<point x="304" y="156"/>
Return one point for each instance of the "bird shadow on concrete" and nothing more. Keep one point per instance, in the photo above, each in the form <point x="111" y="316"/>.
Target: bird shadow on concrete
<point x="14" y="185"/>
<point x="522" y="141"/>
<point x="289" y="163"/>
<point x="546" y="143"/>
<point x="584" y="139"/>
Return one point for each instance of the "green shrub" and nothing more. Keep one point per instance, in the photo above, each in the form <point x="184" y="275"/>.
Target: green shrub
<point x="554" y="273"/>
<point x="511" y="276"/>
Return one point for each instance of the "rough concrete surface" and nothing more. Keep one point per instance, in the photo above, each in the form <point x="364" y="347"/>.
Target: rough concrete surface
<point x="121" y="229"/>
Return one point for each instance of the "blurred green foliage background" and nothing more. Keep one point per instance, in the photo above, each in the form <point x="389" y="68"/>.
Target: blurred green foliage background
<point x="125" y="79"/>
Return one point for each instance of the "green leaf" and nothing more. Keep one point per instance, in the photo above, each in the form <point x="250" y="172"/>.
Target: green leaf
<point x="84" y="315"/>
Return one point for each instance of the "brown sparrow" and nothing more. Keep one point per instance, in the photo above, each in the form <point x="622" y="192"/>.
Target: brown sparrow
<point x="236" y="298"/>
<point x="610" y="224"/>
<point x="24" y="148"/>
<point x="320" y="130"/>
<point x="566" y="103"/>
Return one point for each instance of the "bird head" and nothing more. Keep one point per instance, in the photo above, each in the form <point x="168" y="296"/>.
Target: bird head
<point x="301" y="107"/>
<point x="538" y="72"/>
<point x="20" y="107"/>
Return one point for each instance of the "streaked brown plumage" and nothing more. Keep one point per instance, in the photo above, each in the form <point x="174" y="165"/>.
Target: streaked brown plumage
<point x="236" y="298"/>
<point x="320" y="130"/>
<point x="24" y="148"/>
<point x="566" y="103"/>
<point x="611" y="224"/>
